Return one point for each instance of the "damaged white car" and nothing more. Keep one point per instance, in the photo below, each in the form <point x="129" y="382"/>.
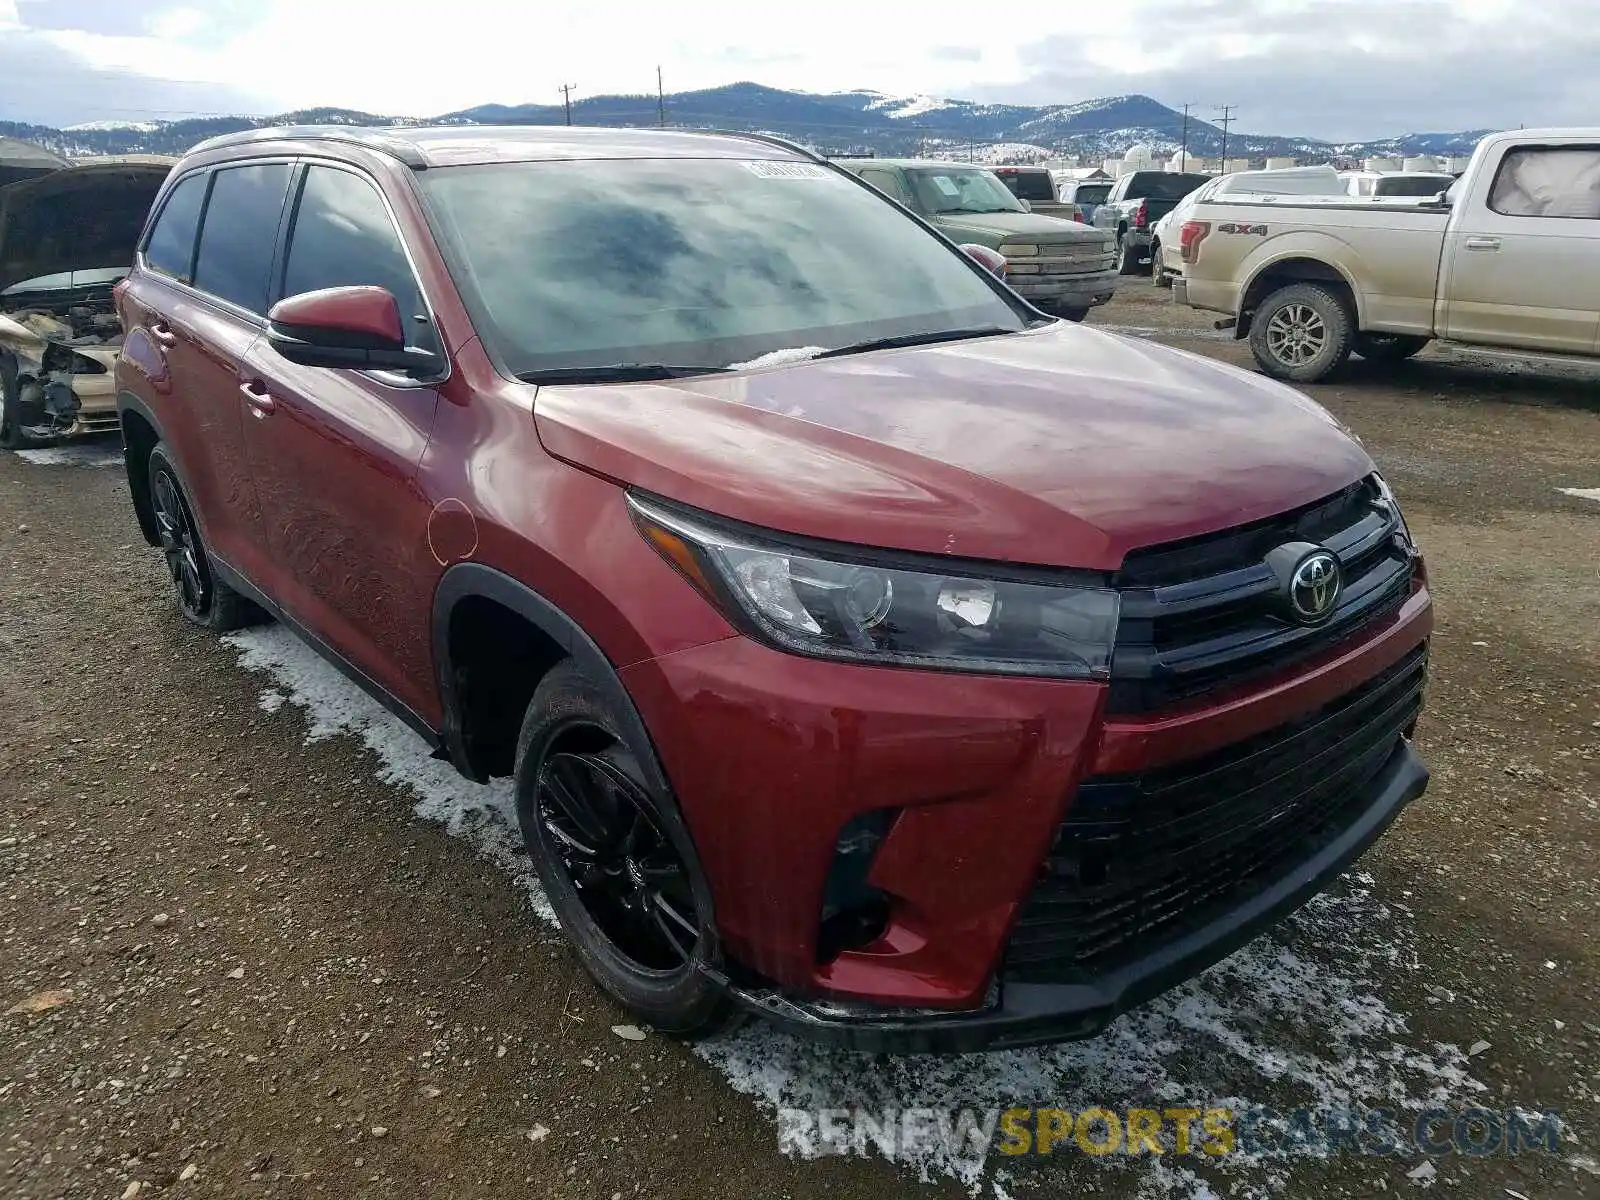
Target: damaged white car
<point x="66" y="238"/>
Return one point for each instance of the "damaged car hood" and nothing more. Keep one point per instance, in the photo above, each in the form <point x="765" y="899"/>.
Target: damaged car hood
<point x="75" y="219"/>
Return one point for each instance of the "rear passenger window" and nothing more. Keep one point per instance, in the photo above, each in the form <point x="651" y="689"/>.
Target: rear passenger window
<point x="1548" y="182"/>
<point x="343" y="237"/>
<point x="170" y="249"/>
<point x="240" y="231"/>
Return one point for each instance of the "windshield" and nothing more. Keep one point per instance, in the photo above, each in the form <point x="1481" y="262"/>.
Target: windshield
<point x="1163" y="185"/>
<point x="692" y="262"/>
<point x="1412" y="185"/>
<point x="956" y="189"/>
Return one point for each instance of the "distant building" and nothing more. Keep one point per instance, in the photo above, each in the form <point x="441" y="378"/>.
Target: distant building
<point x="1282" y="162"/>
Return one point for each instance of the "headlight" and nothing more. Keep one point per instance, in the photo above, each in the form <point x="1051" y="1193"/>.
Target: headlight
<point x="886" y="607"/>
<point x="1387" y="498"/>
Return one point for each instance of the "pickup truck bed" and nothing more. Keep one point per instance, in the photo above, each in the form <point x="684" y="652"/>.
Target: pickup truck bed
<point x="1511" y="259"/>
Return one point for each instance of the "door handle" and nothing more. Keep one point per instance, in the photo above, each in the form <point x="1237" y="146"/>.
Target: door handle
<point x="163" y="334"/>
<point x="256" y="395"/>
<point x="1483" y="243"/>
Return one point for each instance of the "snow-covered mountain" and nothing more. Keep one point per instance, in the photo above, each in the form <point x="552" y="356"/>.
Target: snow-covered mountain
<point x="859" y="121"/>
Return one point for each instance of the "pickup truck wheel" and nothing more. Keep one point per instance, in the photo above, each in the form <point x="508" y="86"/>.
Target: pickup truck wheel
<point x="617" y="867"/>
<point x="203" y="599"/>
<point x="1157" y="272"/>
<point x="1388" y="347"/>
<point x="1301" y="333"/>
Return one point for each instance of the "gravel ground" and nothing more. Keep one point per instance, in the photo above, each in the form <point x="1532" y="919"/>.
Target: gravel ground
<point x="259" y="945"/>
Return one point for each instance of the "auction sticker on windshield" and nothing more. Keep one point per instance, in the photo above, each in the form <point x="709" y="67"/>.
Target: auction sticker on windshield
<point x="769" y="169"/>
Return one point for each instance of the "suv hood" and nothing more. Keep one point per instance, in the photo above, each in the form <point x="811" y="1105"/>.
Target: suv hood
<point x="1034" y="227"/>
<point x="1063" y="446"/>
<point x="75" y="219"/>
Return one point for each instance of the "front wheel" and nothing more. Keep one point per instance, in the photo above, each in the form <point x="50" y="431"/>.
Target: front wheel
<point x="1072" y="312"/>
<point x="617" y="865"/>
<point x="1157" y="271"/>
<point x="1388" y="347"/>
<point x="1301" y="333"/>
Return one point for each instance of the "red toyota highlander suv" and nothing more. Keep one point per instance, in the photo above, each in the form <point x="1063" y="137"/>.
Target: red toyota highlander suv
<point x="868" y="650"/>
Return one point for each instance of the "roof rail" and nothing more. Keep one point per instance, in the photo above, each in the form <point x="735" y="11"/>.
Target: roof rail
<point x="772" y="139"/>
<point x="366" y="137"/>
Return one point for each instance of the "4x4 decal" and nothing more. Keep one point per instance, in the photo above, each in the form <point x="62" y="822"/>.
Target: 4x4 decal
<point x="1233" y="227"/>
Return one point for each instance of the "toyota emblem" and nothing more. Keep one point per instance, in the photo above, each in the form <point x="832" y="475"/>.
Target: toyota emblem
<point x="1314" y="586"/>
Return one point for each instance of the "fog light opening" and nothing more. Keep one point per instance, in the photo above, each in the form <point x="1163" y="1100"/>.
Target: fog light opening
<point x="854" y="913"/>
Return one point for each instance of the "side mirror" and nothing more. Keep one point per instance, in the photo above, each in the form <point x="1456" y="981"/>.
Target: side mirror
<point x="990" y="260"/>
<point x="1027" y="205"/>
<point x="353" y="327"/>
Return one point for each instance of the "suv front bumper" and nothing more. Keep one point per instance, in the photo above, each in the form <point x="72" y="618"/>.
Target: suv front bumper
<point x="1023" y="1014"/>
<point x="1064" y="291"/>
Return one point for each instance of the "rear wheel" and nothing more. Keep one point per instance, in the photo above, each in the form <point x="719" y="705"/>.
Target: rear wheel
<point x="202" y="597"/>
<point x="1388" y="347"/>
<point x="1301" y="333"/>
<point x="616" y="863"/>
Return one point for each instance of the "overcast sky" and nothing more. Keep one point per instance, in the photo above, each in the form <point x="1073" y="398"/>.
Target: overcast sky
<point x="1324" y="68"/>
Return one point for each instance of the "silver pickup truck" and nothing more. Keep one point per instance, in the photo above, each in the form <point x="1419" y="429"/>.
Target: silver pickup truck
<point x="1508" y="258"/>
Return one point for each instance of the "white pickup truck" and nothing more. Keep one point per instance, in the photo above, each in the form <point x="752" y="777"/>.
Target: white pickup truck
<point x="1508" y="259"/>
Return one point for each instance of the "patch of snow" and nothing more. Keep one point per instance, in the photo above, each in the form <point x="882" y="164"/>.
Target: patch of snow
<point x="485" y="814"/>
<point x="1293" y="1018"/>
<point x="1581" y="493"/>
<point x="113" y="126"/>
<point x="777" y="358"/>
<point x="74" y="454"/>
<point x="916" y="106"/>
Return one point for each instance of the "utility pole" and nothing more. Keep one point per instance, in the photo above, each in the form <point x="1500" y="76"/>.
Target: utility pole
<point x="661" y="101"/>
<point x="566" y="99"/>
<point x="1183" y="150"/>
<point x="1227" y="119"/>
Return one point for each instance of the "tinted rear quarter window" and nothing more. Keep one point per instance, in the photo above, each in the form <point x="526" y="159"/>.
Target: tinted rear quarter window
<point x="170" y="248"/>
<point x="1163" y="185"/>
<point x="240" y="232"/>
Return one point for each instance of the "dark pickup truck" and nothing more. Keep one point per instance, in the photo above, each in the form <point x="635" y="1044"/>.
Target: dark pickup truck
<point x="1137" y="201"/>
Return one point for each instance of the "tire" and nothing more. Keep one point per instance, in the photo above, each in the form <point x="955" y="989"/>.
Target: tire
<point x="11" y="435"/>
<point x="1301" y="333"/>
<point x="1388" y="348"/>
<point x="203" y="599"/>
<point x="572" y="750"/>
<point x="1071" y="313"/>
<point x="1157" y="271"/>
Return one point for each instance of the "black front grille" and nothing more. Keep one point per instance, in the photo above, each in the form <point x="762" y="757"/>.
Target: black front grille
<point x="1142" y="859"/>
<point x="1208" y="612"/>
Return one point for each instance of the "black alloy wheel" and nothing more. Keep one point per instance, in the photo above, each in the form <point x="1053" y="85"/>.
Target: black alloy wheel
<point x="627" y="874"/>
<point x="191" y="575"/>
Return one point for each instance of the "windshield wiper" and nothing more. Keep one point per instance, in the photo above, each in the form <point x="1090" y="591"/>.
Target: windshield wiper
<point x="980" y="212"/>
<point x="617" y="373"/>
<point x="916" y="339"/>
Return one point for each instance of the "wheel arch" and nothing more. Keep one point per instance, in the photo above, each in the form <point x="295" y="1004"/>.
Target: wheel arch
<point x="141" y="432"/>
<point x="466" y="584"/>
<point x="1294" y="265"/>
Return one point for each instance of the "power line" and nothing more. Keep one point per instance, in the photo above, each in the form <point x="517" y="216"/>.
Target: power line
<point x="1227" y="119"/>
<point x="566" y="99"/>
